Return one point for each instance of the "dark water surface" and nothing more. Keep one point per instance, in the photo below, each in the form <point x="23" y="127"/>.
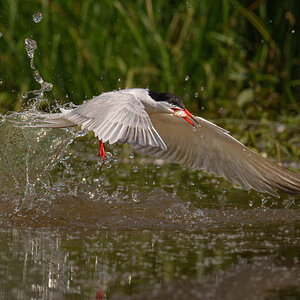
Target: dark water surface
<point x="72" y="227"/>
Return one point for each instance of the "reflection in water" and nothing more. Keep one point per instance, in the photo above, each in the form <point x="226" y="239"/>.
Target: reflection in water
<point x="229" y="263"/>
<point x="188" y="235"/>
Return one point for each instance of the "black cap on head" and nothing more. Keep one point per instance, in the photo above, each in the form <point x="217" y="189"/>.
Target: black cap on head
<point x="167" y="97"/>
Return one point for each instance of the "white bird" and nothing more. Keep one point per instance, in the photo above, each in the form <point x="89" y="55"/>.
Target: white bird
<point x="159" y="125"/>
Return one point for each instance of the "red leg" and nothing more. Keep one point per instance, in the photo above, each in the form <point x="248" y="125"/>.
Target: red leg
<point x="101" y="149"/>
<point x="99" y="295"/>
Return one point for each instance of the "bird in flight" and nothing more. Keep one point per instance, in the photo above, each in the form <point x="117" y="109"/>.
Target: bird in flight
<point x="159" y="125"/>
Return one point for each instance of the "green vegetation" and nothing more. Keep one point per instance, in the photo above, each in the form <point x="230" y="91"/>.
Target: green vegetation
<point x="234" y="58"/>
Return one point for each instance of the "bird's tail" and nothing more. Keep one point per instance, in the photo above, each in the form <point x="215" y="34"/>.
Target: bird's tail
<point x="56" y="120"/>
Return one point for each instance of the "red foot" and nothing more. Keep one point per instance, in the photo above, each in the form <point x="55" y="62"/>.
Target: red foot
<point x="101" y="150"/>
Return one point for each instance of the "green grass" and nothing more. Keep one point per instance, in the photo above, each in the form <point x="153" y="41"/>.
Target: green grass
<point x="241" y="58"/>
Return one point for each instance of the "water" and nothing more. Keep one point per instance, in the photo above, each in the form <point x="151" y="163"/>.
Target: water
<point x="31" y="47"/>
<point x="72" y="226"/>
<point x="37" y="17"/>
<point x="228" y="263"/>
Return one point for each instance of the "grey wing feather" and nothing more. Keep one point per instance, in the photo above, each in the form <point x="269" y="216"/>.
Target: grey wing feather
<point x="116" y="117"/>
<point x="212" y="149"/>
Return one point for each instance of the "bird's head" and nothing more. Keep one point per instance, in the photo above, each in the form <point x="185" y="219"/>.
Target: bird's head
<point x="169" y="98"/>
<point x="176" y="104"/>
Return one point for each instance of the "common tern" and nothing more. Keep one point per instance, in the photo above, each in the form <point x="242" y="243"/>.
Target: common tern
<point x="159" y="125"/>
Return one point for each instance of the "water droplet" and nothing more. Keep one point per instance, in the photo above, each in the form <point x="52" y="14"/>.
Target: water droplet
<point x="1" y="34"/>
<point x="196" y="95"/>
<point x="131" y="155"/>
<point x="104" y="195"/>
<point x="134" y="196"/>
<point x="135" y="169"/>
<point x="1" y="81"/>
<point x="194" y="128"/>
<point x="91" y="195"/>
<point x="30" y="47"/>
<point x="187" y="77"/>
<point x="37" y="17"/>
<point x="244" y="149"/>
<point x="264" y="201"/>
<point x="270" y="21"/>
<point x="202" y="107"/>
<point x="293" y="31"/>
<point x="250" y="203"/>
<point x="46" y="86"/>
<point x="38" y="77"/>
<point x="25" y="95"/>
<point x="202" y="88"/>
<point x="119" y="79"/>
<point x="120" y="188"/>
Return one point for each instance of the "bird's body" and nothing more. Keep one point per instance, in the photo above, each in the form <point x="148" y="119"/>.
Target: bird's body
<point x="157" y="124"/>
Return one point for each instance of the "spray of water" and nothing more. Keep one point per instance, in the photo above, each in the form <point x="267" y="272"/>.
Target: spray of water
<point x="30" y="47"/>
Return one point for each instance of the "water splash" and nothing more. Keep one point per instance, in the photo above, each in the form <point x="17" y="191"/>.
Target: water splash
<point x="37" y="17"/>
<point x="44" y="180"/>
<point x="30" y="47"/>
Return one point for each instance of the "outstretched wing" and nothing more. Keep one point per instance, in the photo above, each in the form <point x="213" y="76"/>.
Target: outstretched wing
<point x="117" y="117"/>
<point x="212" y="149"/>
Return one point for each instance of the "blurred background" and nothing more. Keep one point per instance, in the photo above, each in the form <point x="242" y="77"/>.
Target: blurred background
<point x="225" y="58"/>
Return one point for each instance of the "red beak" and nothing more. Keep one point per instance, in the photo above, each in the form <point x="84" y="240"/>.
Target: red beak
<point x="193" y="118"/>
<point x="189" y="117"/>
